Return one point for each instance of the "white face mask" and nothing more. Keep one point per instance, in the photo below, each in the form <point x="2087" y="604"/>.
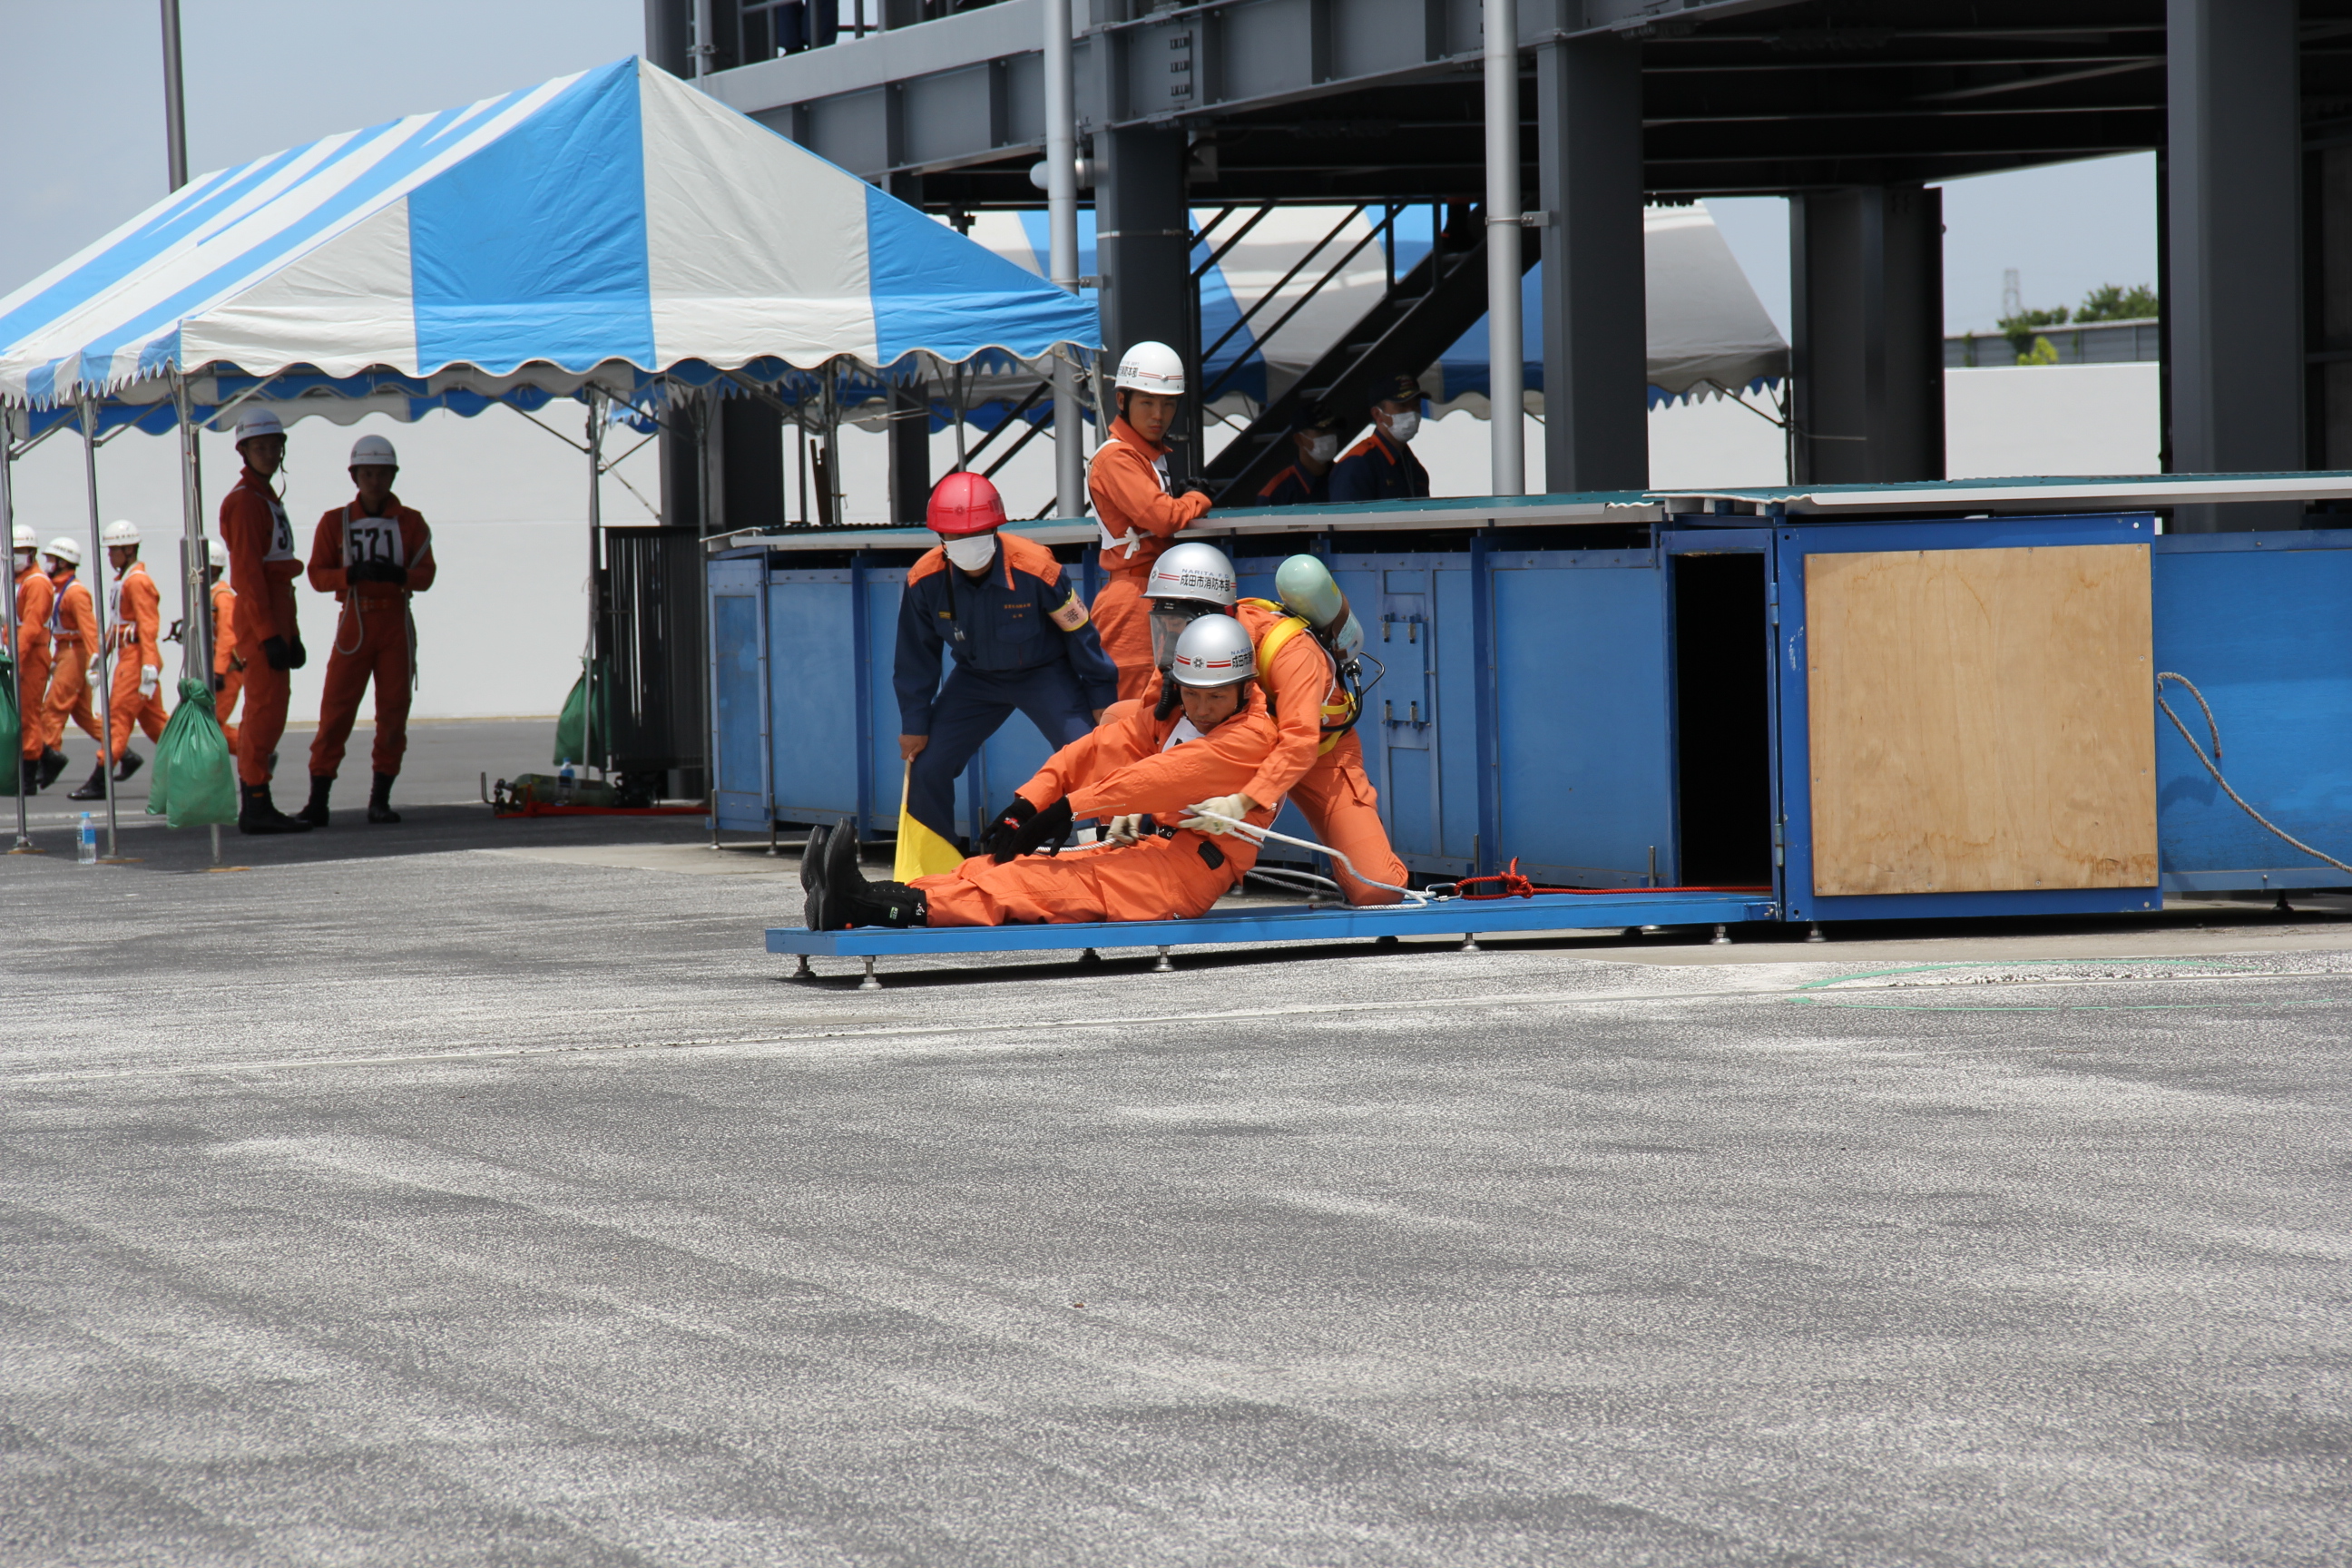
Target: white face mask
<point x="1322" y="448"/>
<point x="971" y="551"/>
<point x="1404" y="426"/>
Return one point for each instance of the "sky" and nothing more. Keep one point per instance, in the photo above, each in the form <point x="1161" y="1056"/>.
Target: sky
<point x="262" y="75"/>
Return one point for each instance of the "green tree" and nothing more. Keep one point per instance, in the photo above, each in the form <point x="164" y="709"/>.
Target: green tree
<point x="2024" y="327"/>
<point x="2114" y="303"/>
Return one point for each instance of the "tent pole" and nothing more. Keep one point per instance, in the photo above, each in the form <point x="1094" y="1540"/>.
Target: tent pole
<point x="23" y="844"/>
<point x="1062" y="216"/>
<point x="101" y="667"/>
<point x="1506" y="367"/>
<point x="595" y="540"/>
<point x="837" y="496"/>
<point x="195" y="604"/>
<point x="958" y="397"/>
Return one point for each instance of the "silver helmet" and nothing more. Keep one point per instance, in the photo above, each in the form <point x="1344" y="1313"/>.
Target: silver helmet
<point x="1187" y="580"/>
<point x="1215" y="650"/>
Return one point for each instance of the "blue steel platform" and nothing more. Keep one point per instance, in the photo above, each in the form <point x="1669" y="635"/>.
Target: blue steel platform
<point x="1294" y="923"/>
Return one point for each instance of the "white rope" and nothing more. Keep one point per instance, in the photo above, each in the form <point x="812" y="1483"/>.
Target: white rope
<point x="2211" y="762"/>
<point x="1291" y="880"/>
<point x="1261" y="835"/>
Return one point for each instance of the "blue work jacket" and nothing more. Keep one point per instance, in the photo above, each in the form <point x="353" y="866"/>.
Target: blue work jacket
<point x="1295" y="486"/>
<point x="1021" y="615"/>
<point x="1375" y="468"/>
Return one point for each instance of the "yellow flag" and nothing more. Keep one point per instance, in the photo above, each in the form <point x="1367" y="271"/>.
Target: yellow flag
<point x="921" y="851"/>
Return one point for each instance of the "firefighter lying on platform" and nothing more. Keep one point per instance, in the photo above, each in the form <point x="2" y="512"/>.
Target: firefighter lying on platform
<point x="1206" y="740"/>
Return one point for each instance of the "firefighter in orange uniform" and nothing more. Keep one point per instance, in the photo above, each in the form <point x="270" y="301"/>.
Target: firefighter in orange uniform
<point x="1138" y="762"/>
<point x="134" y="629"/>
<point x="73" y="637"/>
<point x="1134" y="512"/>
<point x="262" y="568"/>
<point x="228" y="665"/>
<point x="1317" y="762"/>
<point x="372" y="554"/>
<point x="35" y="597"/>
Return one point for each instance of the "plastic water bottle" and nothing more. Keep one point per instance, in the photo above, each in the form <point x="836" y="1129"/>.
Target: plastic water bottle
<point x="88" y="841"/>
<point x="563" y="783"/>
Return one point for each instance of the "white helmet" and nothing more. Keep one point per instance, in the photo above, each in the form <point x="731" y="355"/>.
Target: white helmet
<point x="260" y="421"/>
<point x="1151" y="367"/>
<point x="1196" y="571"/>
<point x="1214" y="650"/>
<point x="217" y="554"/>
<point x="122" y="531"/>
<point x="65" y="549"/>
<point x="373" y="451"/>
<point x="27" y="539"/>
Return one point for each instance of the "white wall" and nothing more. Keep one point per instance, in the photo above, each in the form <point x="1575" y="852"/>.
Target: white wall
<point x="501" y="632"/>
<point x="2055" y="420"/>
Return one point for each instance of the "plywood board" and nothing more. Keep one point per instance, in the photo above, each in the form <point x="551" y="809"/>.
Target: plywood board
<point x="1981" y="720"/>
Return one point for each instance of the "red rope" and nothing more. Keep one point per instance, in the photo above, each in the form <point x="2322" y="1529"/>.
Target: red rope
<point x="1514" y="886"/>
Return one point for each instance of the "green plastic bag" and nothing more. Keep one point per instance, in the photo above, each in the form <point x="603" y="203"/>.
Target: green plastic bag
<point x="194" y="780"/>
<point x="11" y="734"/>
<point x="571" y="737"/>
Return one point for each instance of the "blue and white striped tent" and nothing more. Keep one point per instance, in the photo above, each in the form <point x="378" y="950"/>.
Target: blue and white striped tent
<point x="614" y="228"/>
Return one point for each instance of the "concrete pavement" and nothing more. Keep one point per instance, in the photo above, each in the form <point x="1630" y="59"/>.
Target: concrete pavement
<point x="499" y="1201"/>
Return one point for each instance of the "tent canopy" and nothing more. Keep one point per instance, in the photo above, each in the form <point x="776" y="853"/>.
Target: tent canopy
<point x="612" y="227"/>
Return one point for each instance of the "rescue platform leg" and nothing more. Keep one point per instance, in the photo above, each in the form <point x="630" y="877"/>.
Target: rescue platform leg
<point x="1164" y="965"/>
<point x="869" y="983"/>
<point x="803" y="972"/>
<point x="1721" y="938"/>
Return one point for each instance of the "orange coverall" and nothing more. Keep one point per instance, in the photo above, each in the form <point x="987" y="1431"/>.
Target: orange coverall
<point x="373" y="635"/>
<point x="262" y="568"/>
<point x="1329" y="787"/>
<point x="1136" y="519"/>
<point x="1118" y="769"/>
<point x="35" y="597"/>
<point x="227" y="663"/>
<point x="74" y="625"/>
<point x="138" y="647"/>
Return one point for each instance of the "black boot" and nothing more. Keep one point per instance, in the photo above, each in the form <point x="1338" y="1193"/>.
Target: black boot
<point x="380" y="799"/>
<point x="130" y="763"/>
<point x="52" y="764"/>
<point x="888" y="904"/>
<point x="812" y="879"/>
<point x="95" y="789"/>
<point x="315" y="814"/>
<point x="845" y="898"/>
<point x="256" y="813"/>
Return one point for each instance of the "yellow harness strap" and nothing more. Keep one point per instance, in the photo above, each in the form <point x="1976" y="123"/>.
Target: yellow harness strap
<point x="1335" y="715"/>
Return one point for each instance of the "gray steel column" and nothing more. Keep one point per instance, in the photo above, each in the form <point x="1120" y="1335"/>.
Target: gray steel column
<point x="1062" y="218"/>
<point x="175" y="118"/>
<point x="1506" y="427"/>
<point x="2234" y="164"/>
<point x="1143" y="246"/>
<point x="1595" y="331"/>
<point x="750" y="463"/>
<point x="1866" y="309"/>
<point x="8" y="527"/>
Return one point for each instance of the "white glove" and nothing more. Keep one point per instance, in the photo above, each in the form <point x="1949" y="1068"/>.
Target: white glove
<point x="1233" y="805"/>
<point x="1124" y="829"/>
<point x="149" y="677"/>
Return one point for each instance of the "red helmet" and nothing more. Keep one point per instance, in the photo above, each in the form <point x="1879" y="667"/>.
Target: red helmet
<point x="964" y="504"/>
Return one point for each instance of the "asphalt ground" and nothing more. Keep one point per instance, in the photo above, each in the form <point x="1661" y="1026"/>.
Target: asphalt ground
<point x="479" y="1192"/>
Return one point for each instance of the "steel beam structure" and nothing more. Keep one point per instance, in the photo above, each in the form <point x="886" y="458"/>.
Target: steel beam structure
<point x="1595" y="330"/>
<point x="1143" y="248"/>
<point x="2234" y="308"/>
<point x="1866" y="307"/>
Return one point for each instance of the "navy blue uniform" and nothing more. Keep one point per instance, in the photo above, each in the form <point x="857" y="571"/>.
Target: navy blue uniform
<point x="1295" y="486"/>
<point x="1376" y="469"/>
<point x="1021" y="638"/>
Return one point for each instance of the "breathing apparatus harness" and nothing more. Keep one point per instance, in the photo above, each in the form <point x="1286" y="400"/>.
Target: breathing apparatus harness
<point x="1343" y="704"/>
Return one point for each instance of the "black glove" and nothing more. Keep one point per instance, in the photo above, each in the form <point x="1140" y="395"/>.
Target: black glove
<point x="1049" y="827"/>
<point x="280" y="656"/>
<point x="997" y="842"/>
<point x="297" y="656"/>
<point x="1194" y="487"/>
<point x="359" y="572"/>
<point x="220" y="683"/>
<point x="392" y="572"/>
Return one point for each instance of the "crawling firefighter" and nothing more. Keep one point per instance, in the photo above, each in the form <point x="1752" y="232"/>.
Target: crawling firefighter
<point x="1143" y="762"/>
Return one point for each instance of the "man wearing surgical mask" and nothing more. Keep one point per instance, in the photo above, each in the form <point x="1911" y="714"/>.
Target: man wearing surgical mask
<point x="1378" y="468"/>
<point x="1022" y="639"/>
<point x="1307" y="480"/>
